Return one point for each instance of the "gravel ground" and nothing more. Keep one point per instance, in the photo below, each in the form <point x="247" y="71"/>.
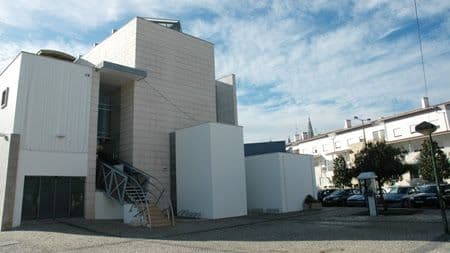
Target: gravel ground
<point x="328" y="230"/>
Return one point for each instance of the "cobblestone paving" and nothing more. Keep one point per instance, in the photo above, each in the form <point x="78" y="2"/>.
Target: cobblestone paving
<point x="324" y="231"/>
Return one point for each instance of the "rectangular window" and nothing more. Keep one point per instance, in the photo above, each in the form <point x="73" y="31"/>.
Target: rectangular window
<point x="378" y="135"/>
<point x="397" y="132"/>
<point x="412" y="129"/>
<point x="338" y="144"/>
<point x="325" y="147"/>
<point x="5" y="98"/>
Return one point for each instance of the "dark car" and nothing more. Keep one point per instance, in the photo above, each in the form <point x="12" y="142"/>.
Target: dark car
<point x="396" y="194"/>
<point x="360" y="200"/>
<point x="426" y="195"/>
<point x="338" y="197"/>
<point x="356" y="200"/>
<point x="324" y="192"/>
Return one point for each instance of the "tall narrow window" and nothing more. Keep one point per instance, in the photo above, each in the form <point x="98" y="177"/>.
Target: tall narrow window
<point x="5" y="98"/>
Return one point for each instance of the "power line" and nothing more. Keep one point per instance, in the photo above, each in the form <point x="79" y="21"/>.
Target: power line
<point x="421" y="49"/>
<point x="170" y="102"/>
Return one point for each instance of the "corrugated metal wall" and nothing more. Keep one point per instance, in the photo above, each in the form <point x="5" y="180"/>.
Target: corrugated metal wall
<point x="55" y="105"/>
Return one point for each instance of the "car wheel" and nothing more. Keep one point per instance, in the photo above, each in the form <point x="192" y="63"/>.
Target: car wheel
<point x="406" y="203"/>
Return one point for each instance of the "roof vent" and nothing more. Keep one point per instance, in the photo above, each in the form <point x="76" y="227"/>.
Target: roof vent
<point x="56" y="54"/>
<point x="113" y="31"/>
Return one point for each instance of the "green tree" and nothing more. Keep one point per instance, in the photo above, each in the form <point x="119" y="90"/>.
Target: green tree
<point x="342" y="175"/>
<point x="386" y="161"/>
<point x="426" y="164"/>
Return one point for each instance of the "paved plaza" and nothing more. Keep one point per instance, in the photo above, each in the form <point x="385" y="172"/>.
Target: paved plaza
<point x="327" y="230"/>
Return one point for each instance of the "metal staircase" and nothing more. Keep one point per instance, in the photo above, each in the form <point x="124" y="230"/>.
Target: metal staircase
<point x="146" y="193"/>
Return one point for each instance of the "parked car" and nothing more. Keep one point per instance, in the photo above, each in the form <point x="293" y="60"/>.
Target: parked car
<point x="360" y="200"/>
<point x="356" y="200"/>
<point x="339" y="197"/>
<point x="396" y="194"/>
<point x="426" y="195"/>
<point x="324" y="192"/>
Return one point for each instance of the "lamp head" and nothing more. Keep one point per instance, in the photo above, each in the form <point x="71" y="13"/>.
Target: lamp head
<point x="425" y="128"/>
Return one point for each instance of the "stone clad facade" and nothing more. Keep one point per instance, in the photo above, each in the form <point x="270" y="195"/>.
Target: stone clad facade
<point x="178" y="92"/>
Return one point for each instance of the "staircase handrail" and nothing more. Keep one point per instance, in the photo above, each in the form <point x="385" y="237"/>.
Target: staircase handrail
<point x="129" y="165"/>
<point x="161" y="188"/>
<point x="135" y="182"/>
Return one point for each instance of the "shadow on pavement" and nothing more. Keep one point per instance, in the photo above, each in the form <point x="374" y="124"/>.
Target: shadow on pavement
<point x="321" y="225"/>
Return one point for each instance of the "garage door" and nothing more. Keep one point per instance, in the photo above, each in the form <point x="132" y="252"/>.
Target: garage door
<point x="52" y="197"/>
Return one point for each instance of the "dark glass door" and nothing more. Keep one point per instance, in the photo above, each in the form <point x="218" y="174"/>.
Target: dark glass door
<point x="46" y="198"/>
<point x="30" y="198"/>
<point x="62" y="197"/>
<point x="53" y="197"/>
<point x="77" y="197"/>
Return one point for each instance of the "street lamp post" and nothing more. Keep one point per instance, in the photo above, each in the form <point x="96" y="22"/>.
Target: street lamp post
<point x="362" y="123"/>
<point x="426" y="128"/>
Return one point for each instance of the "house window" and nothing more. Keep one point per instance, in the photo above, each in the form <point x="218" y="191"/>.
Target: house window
<point x="412" y="129"/>
<point x="325" y="147"/>
<point x="5" y="98"/>
<point x="338" y="144"/>
<point x="397" y="132"/>
<point x="378" y="135"/>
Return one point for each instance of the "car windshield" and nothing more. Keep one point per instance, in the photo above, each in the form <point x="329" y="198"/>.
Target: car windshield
<point x="399" y="190"/>
<point x="329" y="191"/>
<point x="337" y="193"/>
<point x="428" y="189"/>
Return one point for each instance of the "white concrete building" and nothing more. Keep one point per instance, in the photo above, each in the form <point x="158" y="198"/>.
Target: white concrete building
<point x="118" y="102"/>
<point x="278" y="182"/>
<point x="397" y="130"/>
<point x="210" y="171"/>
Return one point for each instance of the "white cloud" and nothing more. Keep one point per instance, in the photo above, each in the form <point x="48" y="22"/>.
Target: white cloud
<point x="328" y="73"/>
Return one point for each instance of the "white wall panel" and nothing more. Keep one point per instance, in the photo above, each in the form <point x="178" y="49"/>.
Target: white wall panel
<point x="299" y="180"/>
<point x="194" y="182"/>
<point x="279" y="182"/>
<point x="228" y="171"/>
<point x="210" y="171"/>
<point x="54" y="105"/>
<point x="263" y="176"/>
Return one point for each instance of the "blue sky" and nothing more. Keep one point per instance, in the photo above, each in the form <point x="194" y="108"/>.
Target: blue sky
<point x="329" y="60"/>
